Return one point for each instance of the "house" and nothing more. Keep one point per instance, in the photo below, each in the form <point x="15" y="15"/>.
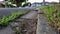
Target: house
<point x="46" y="3"/>
<point x="54" y="2"/>
<point x="36" y="4"/>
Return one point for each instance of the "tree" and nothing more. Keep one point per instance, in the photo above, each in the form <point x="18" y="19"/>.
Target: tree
<point x="18" y="2"/>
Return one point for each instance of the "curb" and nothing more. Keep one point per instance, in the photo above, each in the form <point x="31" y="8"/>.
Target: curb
<point x="42" y="26"/>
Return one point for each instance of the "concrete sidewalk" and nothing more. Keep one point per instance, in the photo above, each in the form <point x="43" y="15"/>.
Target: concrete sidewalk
<point x="42" y="26"/>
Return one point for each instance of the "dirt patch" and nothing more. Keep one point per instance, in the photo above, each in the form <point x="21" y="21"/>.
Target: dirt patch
<point x="25" y="26"/>
<point x="30" y="26"/>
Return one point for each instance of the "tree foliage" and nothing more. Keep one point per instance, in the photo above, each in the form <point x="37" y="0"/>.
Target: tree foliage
<point x="17" y="2"/>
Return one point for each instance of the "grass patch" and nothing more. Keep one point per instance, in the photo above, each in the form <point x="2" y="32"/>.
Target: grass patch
<point x="5" y="21"/>
<point x="53" y="14"/>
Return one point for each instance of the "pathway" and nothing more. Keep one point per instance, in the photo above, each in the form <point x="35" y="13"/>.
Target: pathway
<point x="8" y="29"/>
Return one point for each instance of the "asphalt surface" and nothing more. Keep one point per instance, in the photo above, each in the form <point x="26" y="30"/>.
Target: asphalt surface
<point x="7" y="11"/>
<point x="8" y="29"/>
<point x="16" y="9"/>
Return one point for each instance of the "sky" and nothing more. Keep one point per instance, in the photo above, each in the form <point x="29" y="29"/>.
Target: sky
<point x="32" y="1"/>
<point x="1" y="0"/>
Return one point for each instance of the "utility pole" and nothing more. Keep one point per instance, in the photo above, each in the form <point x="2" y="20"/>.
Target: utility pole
<point x="43" y="2"/>
<point x="59" y="1"/>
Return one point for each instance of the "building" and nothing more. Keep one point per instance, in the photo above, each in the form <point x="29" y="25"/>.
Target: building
<point x="54" y="2"/>
<point x="45" y="3"/>
<point x="36" y="4"/>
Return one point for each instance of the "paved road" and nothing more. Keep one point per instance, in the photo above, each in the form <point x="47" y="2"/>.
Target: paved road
<point x="16" y="9"/>
<point x="42" y="26"/>
<point x="8" y="30"/>
<point x="7" y="11"/>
